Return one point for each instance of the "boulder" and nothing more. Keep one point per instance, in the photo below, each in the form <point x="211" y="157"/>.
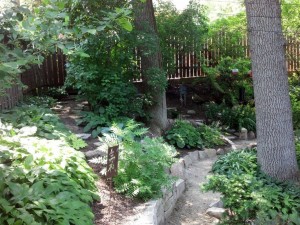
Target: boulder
<point x="194" y="156"/>
<point x="251" y="135"/>
<point x="215" y="212"/>
<point x="93" y="154"/>
<point x="187" y="161"/>
<point x="84" y="136"/>
<point x="202" y="155"/>
<point x="218" y="204"/>
<point x="210" y="152"/>
<point x="191" y="112"/>
<point x="243" y="134"/>
<point x="220" y="151"/>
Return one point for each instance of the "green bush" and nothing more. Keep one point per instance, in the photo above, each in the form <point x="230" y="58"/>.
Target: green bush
<point x="298" y="151"/>
<point x="295" y="99"/>
<point x="234" y="117"/>
<point x="184" y="134"/>
<point x="210" y="136"/>
<point x="142" y="161"/>
<point x="43" y="182"/>
<point x="46" y="123"/>
<point x="250" y="195"/>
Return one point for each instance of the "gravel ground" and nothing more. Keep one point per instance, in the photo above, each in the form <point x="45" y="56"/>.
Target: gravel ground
<point x="191" y="207"/>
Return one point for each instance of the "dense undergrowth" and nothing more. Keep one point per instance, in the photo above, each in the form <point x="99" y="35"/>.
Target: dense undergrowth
<point x="249" y="194"/>
<point x="44" y="179"/>
<point x="142" y="162"/>
<point x="184" y="135"/>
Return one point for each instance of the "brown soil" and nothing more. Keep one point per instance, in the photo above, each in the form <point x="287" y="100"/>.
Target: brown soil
<point x="113" y="207"/>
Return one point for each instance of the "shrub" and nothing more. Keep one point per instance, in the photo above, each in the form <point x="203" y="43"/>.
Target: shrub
<point x="46" y="123"/>
<point x="298" y="151"/>
<point x="236" y="117"/>
<point x="295" y="99"/>
<point x="210" y="136"/>
<point x="142" y="161"/>
<point x="250" y="195"/>
<point x="44" y="182"/>
<point x="184" y="134"/>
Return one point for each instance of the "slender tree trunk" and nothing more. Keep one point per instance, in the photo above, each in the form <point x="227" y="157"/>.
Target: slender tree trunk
<point x="145" y="23"/>
<point x="275" y="147"/>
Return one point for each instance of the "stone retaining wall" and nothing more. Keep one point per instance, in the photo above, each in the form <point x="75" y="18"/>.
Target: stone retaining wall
<point x="156" y="212"/>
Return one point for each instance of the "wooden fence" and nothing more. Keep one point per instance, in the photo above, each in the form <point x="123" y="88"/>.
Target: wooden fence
<point x="12" y="96"/>
<point x="187" y="65"/>
<point x="51" y="73"/>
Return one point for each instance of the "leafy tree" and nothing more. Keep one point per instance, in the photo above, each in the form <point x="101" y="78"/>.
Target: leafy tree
<point x="180" y="31"/>
<point x="276" y="147"/>
<point x="28" y="33"/>
<point x="154" y="78"/>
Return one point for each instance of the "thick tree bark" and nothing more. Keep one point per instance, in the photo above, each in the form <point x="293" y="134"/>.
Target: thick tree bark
<point x="275" y="147"/>
<point x="145" y="23"/>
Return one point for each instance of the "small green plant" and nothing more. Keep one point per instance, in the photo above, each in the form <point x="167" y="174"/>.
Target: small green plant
<point x="142" y="161"/>
<point x="184" y="134"/>
<point x="234" y="117"/>
<point x="75" y="142"/>
<point x="42" y="120"/>
<point x="250" y="195"/>
<point x="55" y="92"/>
<point x="43" y="101"/>
<point x="211" y="136"/>
<point x="44" y="182"/>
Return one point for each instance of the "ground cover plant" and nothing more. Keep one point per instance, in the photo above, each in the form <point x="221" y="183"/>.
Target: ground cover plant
<point x="142" y="161"/>
<point x="184" y="135"/>
<point x="295" y="99"/>
<point x="250" y="195"/>
<point x="34" y="115"/>
<point x="44" y="181"/>
<point x="235" y="117"/>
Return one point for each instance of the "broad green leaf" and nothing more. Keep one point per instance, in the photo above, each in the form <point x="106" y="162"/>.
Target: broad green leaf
<point x="125" y="24"/>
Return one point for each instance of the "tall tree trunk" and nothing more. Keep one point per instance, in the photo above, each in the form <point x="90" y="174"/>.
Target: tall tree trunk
<point x="275" y="147"/>
<point x="145" y="24"/>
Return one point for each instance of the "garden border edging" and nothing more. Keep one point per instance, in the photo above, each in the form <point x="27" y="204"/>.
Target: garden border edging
<point x="157" y="212"/>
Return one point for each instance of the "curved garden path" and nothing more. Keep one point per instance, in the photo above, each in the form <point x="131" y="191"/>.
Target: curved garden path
<point x="192" y="205"/>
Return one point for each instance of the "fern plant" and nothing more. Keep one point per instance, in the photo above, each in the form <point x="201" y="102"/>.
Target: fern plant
<point x="142" y="160"/>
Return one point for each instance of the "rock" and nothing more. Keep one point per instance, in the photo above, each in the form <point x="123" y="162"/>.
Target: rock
<point x="194" y="156"/>
<point x="252" y="145"/>
<point x="187" y="161"/>
<point x="218" y="204"/>
<point x="177" y="169"/>
<point x="99" y="143"/>
<point x="251" y="135"/>
<point x="210" y="152"/>
<point x="232" y="131"/>
<point x="243" y="134"/>
<point x="215" y="212"/>
<point x="220" y="151"/>
<point x="202" y="155"/>
<point x="27" y="131"/>
<point x="191" y="112"/>
<point x="84" y="136"/>
<point x="232" y="137"/>
<point x="180" y="187"/>
<point x="93" y="154"/>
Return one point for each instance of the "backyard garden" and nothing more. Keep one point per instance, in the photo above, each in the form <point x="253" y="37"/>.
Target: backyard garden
<point x="99" y="100"/>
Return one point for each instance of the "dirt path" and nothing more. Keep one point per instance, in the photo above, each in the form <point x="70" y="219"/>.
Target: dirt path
<point x="192" y="205"/>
